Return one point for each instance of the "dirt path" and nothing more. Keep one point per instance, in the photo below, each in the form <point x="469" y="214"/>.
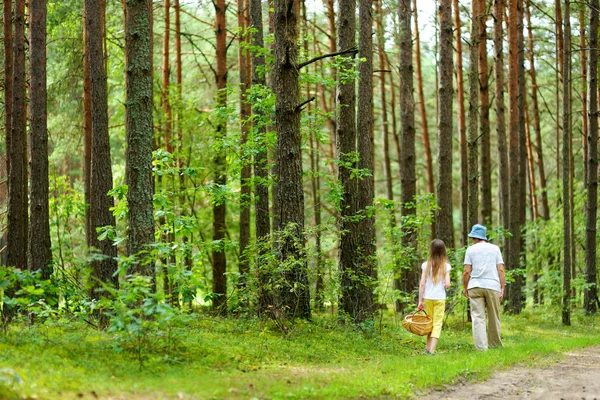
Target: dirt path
<point x="575" y="377"/>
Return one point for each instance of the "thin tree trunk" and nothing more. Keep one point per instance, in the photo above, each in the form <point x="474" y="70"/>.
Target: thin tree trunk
<point x="365" y="188"/>
<point x="545" y="209"/>
<point x="139" y="126"/>
<point x="584" y="105"/>
<point x="514" y="160"/>
<point x="473" y="132"/>
<point x="518" y="284"/>
<point x="566" y="173"/>
<point x="503" y="176"/>
<point x="591" y="224"/>
<point x="40" y="247"/>
<point x="87" y="135"/>
<point x="294" y="294"/>
<point x="558" y="18"/>
<point x="387" y="165"/>
<point x="103" y="270"/>
<point x="261" y="169"/>
<point x="246" y="172"/>
<point x="422" y="109"/>
<point x="530" y="168"/>
<point x="484" y="118"/>
<point x="8" y="76"/>
<point x="444" y="227"/>
<point x="462" y="125"/>
<point x="219" y="262"/>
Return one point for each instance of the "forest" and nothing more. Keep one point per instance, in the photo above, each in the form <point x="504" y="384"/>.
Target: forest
<point x="245" y="190"/>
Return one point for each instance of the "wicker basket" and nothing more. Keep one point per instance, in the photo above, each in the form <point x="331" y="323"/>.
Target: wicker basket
<point x="418" y="324"/>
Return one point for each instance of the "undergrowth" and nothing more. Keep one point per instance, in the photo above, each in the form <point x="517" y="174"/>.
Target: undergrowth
<point x="206" y="357"/>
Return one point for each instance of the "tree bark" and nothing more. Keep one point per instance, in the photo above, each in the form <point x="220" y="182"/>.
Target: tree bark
<point x="8" y="75"/>
<point x="503" y="167"/>
<point x="422" y="109"/>
<point x="40" y="247"/>
<point x="473" y="132"/>
<point x="519" y="279"/>
<point x="365" y="188"/>
<point x="246" y="172"/>
<point x="584" y="105"/>
<point x="139" y="126"/>
<point x="484" y="118"/>
<point x="17" y="229"/>
<point x="591" y="224"/>
<point x="103" y="270"/>
<point x="294" y="295"/>
<point x="410" y="276"/>
<point x="444" y="228"/>
<point x="462" y="125"/>
<point x="530" y="166"/>
<point x="219" y="262"/>
<point x="545" y="209"/>
<point x="87" y="135"/>
<point x="514" y="160"/>
<point x="346" y="154"/>
<point x="558" y="18"/>
<point x="261" y="169"/>
<point x="566" y="173"/>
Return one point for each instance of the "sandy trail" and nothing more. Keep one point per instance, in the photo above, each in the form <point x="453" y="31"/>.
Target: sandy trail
<point x="577" y="376"/>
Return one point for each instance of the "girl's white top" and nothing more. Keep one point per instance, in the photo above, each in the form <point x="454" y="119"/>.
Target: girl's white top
<point x="437" y="291"/>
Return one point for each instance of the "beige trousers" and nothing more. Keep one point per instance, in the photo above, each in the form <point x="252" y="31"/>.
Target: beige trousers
<point x="483" y="300"/>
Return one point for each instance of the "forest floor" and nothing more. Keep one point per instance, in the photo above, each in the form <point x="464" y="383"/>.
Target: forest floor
<point x="577" y="376"/>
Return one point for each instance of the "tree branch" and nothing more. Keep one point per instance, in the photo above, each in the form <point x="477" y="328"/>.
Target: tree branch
<point x="352" y="51"/>
<point x="300" y="106"/>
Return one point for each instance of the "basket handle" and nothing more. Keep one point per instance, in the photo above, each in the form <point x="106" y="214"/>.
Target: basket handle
<point x="423" y="311"/>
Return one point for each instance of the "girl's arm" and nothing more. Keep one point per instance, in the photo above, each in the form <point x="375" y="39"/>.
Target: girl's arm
<point x="447" y="280"/>
<point x="422" y="289"/>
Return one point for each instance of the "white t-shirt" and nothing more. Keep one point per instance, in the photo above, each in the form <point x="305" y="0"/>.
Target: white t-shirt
<point x="484" y="257"/>
<point x="437" y="291"/>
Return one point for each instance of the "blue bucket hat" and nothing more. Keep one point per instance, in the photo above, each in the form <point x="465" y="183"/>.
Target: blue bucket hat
<point x="478" y="232"/>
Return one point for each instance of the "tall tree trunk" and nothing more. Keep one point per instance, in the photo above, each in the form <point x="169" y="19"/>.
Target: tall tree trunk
<point x="513" y="144"/>
<point x="387" y="165"/>
<point x="517" y="285"/>
<point x="87" y="135"/>
<point x="566" y="173"/>
<point x="473" y="132"/>
<point x="462" y="125"/>
<point x="40" y="248"/>
<point x="484" y="118"/>
<point x="444" y="229"/>
<point x="7" y="311"/>
<point x="584" y="105"/>
<point x="422" y="109"/>
<point x="294" y="295"/>
<point x="139" y="126"/>
<point x="545" y="209"/>
<point x="365" y="188"/>
<point x="345" y="151"/>
<point x="503" y="176"/>
<point x="332" y="34"/>
<point x="558" y="18"/>
<point x="591" y="224"/>
<point x="219" y="262"/>
<point x="261" y="168"/>
<point x="408" y="181"/>
<point x="103" y="270"/>
<point x="8" y="75"/>
<point x="246" y="172"/>
<point x="17" y="229"/>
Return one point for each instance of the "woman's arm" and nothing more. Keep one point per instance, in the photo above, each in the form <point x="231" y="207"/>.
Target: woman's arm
<point x="447" y="280"/>
<point x="422" y="289"/>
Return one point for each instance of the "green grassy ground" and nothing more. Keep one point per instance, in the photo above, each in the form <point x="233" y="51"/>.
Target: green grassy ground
<point x="234" y="358"/>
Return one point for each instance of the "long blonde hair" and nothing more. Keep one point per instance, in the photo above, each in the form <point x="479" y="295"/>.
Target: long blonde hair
<point x="436" y="263"/>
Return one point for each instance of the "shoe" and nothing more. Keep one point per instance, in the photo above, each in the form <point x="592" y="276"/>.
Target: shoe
<point x="427" y="352"/>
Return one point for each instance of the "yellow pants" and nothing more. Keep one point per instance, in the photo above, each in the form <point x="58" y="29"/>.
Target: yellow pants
<point x="435" y="309"/>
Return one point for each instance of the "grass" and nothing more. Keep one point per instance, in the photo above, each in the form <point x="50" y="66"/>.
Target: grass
<point x="208" y="358"/>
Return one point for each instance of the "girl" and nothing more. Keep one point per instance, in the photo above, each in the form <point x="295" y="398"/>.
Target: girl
<point x="435" y="279"/>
